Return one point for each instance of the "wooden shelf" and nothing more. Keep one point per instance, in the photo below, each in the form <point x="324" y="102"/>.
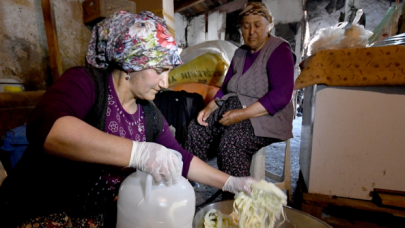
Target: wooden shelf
<point x="376" y="216"/>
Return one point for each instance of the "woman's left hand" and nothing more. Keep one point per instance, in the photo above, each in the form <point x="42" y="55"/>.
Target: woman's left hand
<point x="233" y="116"/>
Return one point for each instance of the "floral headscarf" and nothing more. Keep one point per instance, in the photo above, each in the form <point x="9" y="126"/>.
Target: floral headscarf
<point x="132" y="42"/>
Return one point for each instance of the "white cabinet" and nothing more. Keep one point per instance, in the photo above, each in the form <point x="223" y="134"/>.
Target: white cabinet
<point x="353" y="140"/>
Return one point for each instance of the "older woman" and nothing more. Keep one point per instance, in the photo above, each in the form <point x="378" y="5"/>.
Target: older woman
<point x="253" y="107"/>
<point x="95" y="125"/>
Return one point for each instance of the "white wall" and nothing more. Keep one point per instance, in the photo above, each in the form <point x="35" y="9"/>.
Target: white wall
<point x="216" y="26"/>
<point x="73" y="36"/>
<point x="196" y="31"/>
<point x="22" y="36"/>
<point x="285" y="11"/>
<point x="180" y="26"/>
<point x="23" y="44"/>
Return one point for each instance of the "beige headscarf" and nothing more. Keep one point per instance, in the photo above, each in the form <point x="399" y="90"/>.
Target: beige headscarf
<point x="256" y="8"/>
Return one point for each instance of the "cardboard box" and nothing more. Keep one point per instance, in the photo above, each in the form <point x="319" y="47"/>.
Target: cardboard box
<point x="95" y="10"/>
<point x="161" y="8"/>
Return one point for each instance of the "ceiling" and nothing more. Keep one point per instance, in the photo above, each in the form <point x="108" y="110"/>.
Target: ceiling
<point x="191" y="8"/>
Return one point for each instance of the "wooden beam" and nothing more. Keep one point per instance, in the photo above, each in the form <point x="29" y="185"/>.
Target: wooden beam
<point x="52" y="38"/>
<point x="324" y="201"/>
<point x="186" y="4"/>
<point x="389" y="191"/>
<point x="392" y="200"/>
<point x="231" y="6"/>
<point x="389" y="197"/>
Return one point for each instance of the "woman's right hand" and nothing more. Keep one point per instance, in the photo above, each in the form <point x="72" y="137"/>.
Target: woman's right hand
<point x="157" y="160"/>
<point x="206" y="112"/>
<point x="238" y="184"/>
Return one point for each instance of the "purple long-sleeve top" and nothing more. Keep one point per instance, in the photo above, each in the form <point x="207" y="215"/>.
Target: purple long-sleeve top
<point x="280" y="71"/>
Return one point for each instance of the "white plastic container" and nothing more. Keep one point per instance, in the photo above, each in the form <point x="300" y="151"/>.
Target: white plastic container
<point x="142" y="204"/>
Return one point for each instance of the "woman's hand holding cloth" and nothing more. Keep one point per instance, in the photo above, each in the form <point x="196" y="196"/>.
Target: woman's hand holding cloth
<point x="156" y="160"/>
<point x="233" y="116"/>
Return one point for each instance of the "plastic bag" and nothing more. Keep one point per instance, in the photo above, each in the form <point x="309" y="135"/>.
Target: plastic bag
<point x="324" y="37"/>
<point x="341" y="36"/>
<point x="209" y="69"/>
<point x="205" y="63"/>
<point x="223" y="49"/>
<point x="388" y="25"/>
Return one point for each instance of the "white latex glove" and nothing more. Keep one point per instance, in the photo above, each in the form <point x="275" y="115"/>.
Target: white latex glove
<point x="238" y="184"/>
<point x="156" y="160"/>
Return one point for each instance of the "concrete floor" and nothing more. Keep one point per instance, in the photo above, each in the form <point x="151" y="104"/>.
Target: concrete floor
<point x="274" y="164"/>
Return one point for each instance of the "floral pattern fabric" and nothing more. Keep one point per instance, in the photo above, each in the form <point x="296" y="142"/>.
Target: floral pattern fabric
<point x="63" y="220"/>
<point x="121" y="123"/>
<point x="132" y="42"/>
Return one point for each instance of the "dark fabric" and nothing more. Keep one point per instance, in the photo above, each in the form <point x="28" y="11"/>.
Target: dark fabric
<point x="154" y="118"/>
<point x="179" y="108"/>
<point x="72" y="94"/>
<point x="42" y="184"/>
<point x="234" y="145"/>
<point x="96" y="115"/>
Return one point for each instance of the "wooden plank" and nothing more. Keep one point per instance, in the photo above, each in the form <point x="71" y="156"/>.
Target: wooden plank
<point x="186" y="4"/>
<point x="52" y="38"/>
<point x="201" y="7"/>
<point x="344" y="223"/>
<point x="324" y="201"/>
<point x="15" y="108"/>
<point x="231" y="7"/>
<point x="392" y="200"/>
<point x="312" y="210"/>
<point x="388" y="191"/>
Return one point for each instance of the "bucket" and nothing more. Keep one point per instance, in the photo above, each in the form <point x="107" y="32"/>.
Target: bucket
<point x="143" y="204"/>
<point x="294" y="218"/>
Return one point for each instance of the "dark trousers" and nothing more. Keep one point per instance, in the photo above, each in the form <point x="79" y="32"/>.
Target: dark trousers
<point x="233" y="145"/>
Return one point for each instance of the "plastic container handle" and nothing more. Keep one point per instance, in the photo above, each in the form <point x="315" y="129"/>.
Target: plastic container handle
<point x="359" y="13"/>
<point x="148" y="187"/>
